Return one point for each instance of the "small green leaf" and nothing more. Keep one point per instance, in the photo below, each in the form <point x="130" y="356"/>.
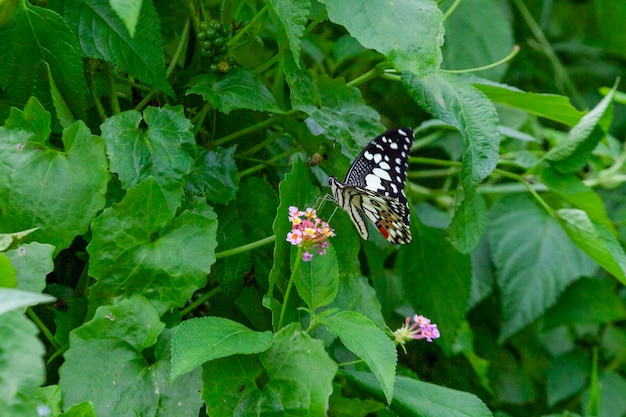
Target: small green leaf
<point x="12" y="299"/>
<point x="204" y="339"/>
<point x="22" y="368"/>
<point x="7" y="272"/>
<point x="290" y="17"/>
<point x="214" y="174"/>
<point x="239" y="89"/>
<point x="105" y="36"/>
<point x="162" y="151"/>
<point x="469" y="222"/>
<point x="137" y="248"/>
<point x="534" y="259"/>
<point x="596" y="240"/>
<point x="417" y="399"/>
<point x="408" y="32"/>
<point x="436" y="279"/>
<point x="317" y="280"/>
<point x="361" y="336"/>
<point x="57" y="191"/>
<point x="549" y="106"/>
<point x="571" y="155"/>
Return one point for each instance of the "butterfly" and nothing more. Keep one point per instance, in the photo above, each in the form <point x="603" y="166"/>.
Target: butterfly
<point x="374" y="187"/>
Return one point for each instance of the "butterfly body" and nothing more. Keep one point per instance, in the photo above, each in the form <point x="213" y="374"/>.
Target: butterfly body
<point x="374" y="187"/>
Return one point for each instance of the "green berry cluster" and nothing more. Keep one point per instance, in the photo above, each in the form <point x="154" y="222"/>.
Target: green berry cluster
<point x="213" y="50"/>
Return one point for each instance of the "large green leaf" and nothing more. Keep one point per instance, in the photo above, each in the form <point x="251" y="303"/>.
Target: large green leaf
<point x="138" y="248"/>
<point x="203" y="339"/>
<point x="104" y="35"/>
<point x="59" y="191"/>
<point x="363" y="338"/>
<point x="239" y="89"/>
<point x="534" y="259"/>
<point x="408" y="32"/>
<point x="459" y="104"/>
<point x="419" y="399"/>
<point x="436" y="279"/>
<point x="22" y="368"/>
<point x="162" y="151"/>
<point x="130" y="383"/>
<point x="46" y="54"/>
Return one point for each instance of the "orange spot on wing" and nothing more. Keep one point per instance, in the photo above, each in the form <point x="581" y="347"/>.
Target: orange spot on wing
<point x="383" y="231"/>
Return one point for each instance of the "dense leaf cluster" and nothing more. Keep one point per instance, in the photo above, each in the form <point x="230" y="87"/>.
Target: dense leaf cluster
<point x="146" y="180"/>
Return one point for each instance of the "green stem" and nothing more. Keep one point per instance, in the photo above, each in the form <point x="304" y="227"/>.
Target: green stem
<point x="200" y="300"/>
<point x="451" y="9"/>
<point x="354" y="362"/>
<point x="292" y="278"/>
<point x="44" y="329"/>
<point x="245" y="248"/>
<point x="241" y="32"/>
<point x="375" y="72"/>
<point x="488" y="66"/>
<point x="253" y="128"/>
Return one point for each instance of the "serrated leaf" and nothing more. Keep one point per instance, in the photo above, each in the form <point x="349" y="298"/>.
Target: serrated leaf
<point x="596" y="240"/>
<point x="571" y="154"/>
<point x="317" y="280"/>
<point x="469" y="45"/>
<point x="130" y="383"/>
<point x="239" y="89"/>
<point x="459" y="104"/>
<point x="336" y="107"/>
<point x="32" y="261"/>
<point x="534" y="259"/>
<point x="162" y="151"/>
<point x="295" y="189"/>
<point x="362" y="337"/>
<point x="301" y="361"/>
<point x="417" y="398"/>
<point x="204" y="339"/>
<point x="408" y="32"/>
<point x="436" y="279"/>
<point x="290" y="17"/>
<point x="549" y="106"/>
<point x="46" y="47"/>
<point x="128" y="11"/>
<point x="214" y="174"/>
<point x="57" y="191"/>
<point x="104" y="36"/>
<point x="22" y="368"/>
<point x="13" y="299"/>
<point x="137" y="246"/>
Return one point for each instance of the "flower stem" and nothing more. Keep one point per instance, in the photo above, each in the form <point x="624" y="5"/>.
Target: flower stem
<point x="289" y="285"/>
<point x="245" y="248"/>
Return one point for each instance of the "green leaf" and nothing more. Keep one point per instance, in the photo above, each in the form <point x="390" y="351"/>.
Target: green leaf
<point x="128" y="11"/>
<point x="239" y="89"/>
<point x="417" y="398"/>
<point x="596" y="240"/>
<point x="7" y="272"/>
<point x="408" y="32"/>
<point x="436" y="279"/>
<point x="130" y="383"/>
<point x="47" y="53"/>
<point x="549" y="106"/>
<point x="468" y="43"/>
<point x="571" y="154"/>
<point x="162" y="151"/>
<point x="57" y="191"/>
<point x="567" y="376"/>
<point x="468" y="225"/>
<point x="534" y="259"/>
<point x="289" y="17"/>
<point x="32" y="261"/>
<point x="295" y="189"/>
<point x="137" y="248"/>
<point x="299" y="360"/>
<point x="12" y="299"/>
<point x="9" y="239"/>
<point x="104" y="36"/>
<point x="587" y="301"/>
<point x="22" y="368"/>
<point x="333" y="105"/>
<point x="317" y="280"/>
<point x="203" y="339"/>
<point x="214" y="174"/>
<point x="460" y="105"/>
<point x="362" y="337"/>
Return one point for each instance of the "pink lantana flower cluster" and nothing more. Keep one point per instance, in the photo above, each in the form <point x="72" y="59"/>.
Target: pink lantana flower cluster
<point x="308" y="232"/>
<point x="421" y="328"/>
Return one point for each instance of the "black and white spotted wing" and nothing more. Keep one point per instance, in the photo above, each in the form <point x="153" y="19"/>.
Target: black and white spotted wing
<point x="374" y="187"/>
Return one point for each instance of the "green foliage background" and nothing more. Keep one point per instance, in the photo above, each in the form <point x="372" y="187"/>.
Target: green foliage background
<point x="144" y="195"/>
